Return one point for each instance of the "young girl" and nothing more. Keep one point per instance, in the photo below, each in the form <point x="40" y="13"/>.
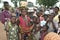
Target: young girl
<point x="37" y="29"/>
<point x="12" y="29"/>
<point x="24" y="24"/>
<point x="40" y="15"/>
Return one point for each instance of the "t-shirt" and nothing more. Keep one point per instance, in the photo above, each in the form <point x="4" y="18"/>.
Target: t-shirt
<point x="5" y="14"/>
<point x="56" y="20"/>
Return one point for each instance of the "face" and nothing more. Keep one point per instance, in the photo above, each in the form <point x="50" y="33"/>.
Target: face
<point x="24" y="12"/>
<point x="44" y="28"/>
<point x="6" y="6"/>
<point x="13" y="19"/>
<point x="45" y="17"/>
<point x="41" y="13"/>
<point x="56" y="9"/>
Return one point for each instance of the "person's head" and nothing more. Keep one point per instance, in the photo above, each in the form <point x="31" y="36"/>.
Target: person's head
<point x="45" y="16"/>
<point x="34" y="19"/>
<point x="6" y="5"/>
<point x="23" y="12"/>
<point x="11" y="10"/>
<point x="45" y="28"/>
<point x="2" y="9"/>
<point x="13" y="19"/>
<point x="56" y="9"/>
<point x="41" y="12"/>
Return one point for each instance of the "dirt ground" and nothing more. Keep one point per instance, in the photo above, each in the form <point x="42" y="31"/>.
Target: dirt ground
<point x="2" y="32"/>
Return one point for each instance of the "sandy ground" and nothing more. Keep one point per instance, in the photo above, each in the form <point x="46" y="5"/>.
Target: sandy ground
<point x="2" y="32"/>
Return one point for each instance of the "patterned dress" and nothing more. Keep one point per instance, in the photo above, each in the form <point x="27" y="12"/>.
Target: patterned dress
<point x="13" y="32"/>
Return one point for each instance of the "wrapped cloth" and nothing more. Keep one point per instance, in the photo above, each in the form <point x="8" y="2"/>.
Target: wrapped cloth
<point x="52" y="36"/>
<point x="23" y="3"/>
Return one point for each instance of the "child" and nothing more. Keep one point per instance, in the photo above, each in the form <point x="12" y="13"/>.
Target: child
<point x="25" y="24"/>
<point x="40" y="15"/>
<point x="12" y="29"/>
<point x="44" y="31"/>
<point x="37" y="29"/>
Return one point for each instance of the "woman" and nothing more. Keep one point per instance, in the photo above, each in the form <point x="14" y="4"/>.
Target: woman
<point x="25" y="24"/>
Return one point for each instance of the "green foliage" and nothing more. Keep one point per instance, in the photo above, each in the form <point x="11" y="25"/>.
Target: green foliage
<point x="0" y="1"/>
<point x="12" y="0"/>
<point x="23" y="0"/>
<point x="18" y="0"/>
<point x="15" y="2"/>
<point x="47" y="2"/>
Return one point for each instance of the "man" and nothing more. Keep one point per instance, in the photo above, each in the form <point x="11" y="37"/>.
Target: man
<point x="5" y="13"/>
<point x="5" y="16"/>
<point x="55" y="19"/>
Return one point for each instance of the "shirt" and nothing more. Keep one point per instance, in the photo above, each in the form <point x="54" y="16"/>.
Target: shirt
<point x="5" y="14"/>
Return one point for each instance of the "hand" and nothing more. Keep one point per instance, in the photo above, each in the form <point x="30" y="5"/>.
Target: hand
<point x="6" y="18"/>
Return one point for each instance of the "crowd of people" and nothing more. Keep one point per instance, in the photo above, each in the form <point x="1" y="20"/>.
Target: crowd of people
<point x="19" y="24"/>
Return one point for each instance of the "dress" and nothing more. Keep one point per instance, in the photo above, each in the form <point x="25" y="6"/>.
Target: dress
<point x="23" y="24"/>
<point x="13" y="31"/>
<point x="24" y="28"/>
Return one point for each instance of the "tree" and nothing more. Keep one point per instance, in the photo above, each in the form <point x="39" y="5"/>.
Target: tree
<point x="23" y="0"/>
<point x="47" y="2"/>
<point x="0" y="1"/>
<point x="15" y="2"/>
